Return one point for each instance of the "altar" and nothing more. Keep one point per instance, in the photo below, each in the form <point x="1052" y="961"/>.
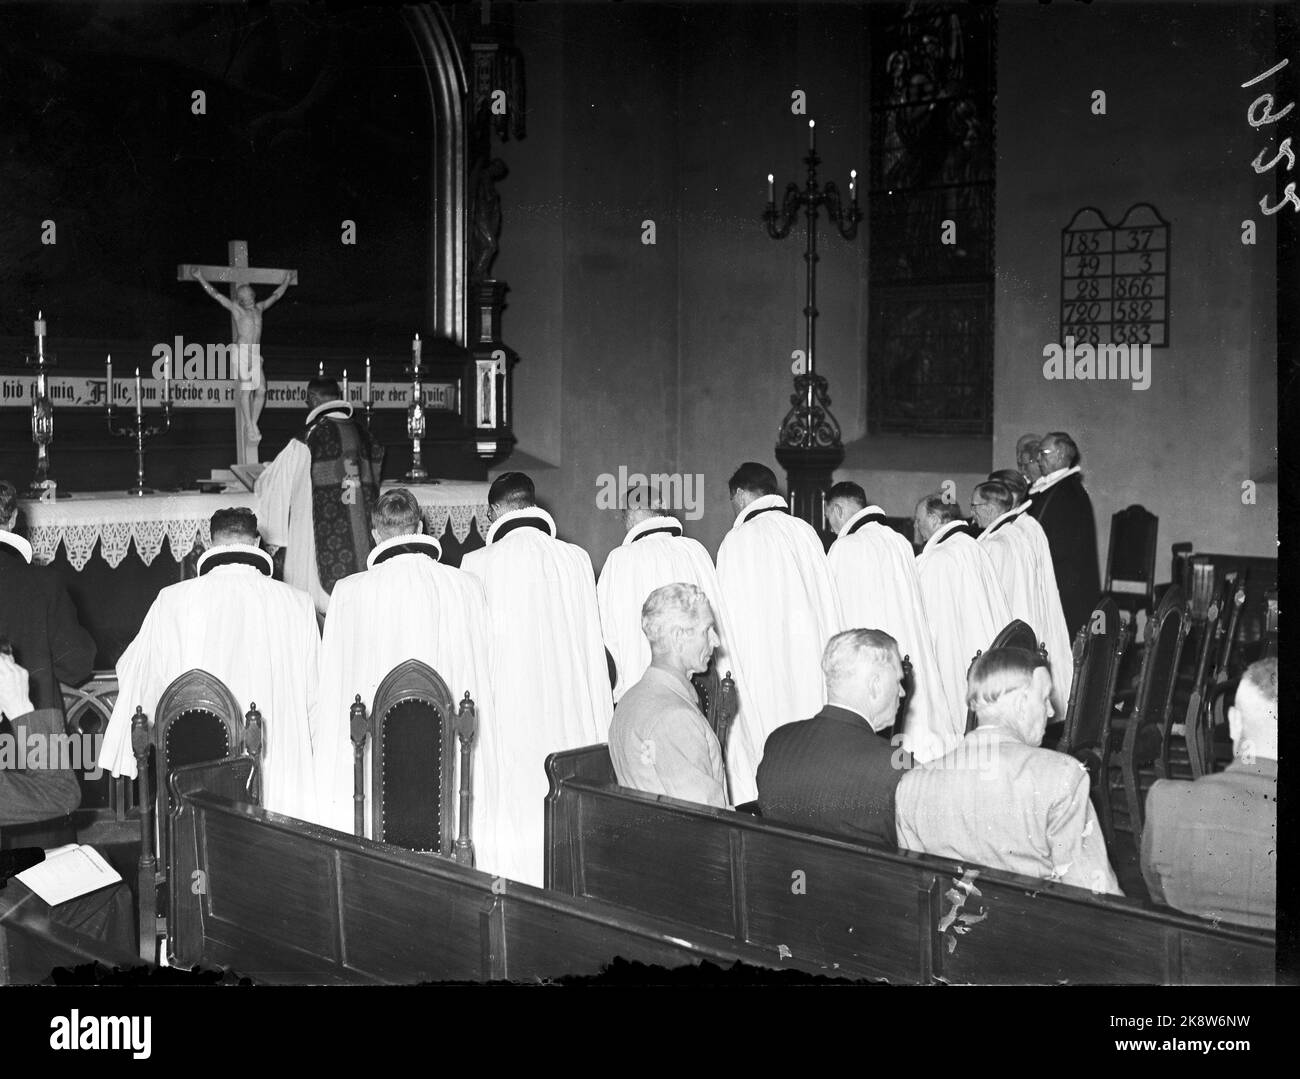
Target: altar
<point x="86" y="539"/>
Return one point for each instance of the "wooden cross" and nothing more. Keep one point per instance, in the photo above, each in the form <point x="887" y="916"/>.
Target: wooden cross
<point x="237" y="273"/>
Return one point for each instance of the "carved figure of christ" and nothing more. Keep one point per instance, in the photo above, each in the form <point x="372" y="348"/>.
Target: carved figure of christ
<point x="246" y="328"/>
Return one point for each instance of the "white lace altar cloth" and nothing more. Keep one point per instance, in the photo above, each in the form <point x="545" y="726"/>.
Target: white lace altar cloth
<point x="115" y="521"/>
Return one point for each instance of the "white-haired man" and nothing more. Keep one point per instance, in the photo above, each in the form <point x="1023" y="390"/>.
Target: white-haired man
<point x="659" y="741"/>
<point x="834" y="772"/>
<point x="998" y="799"/>
<point x="407" y="605"/>
<point x="964" y="603"/>
<point x="1061" y="505"/>
<point x="1210" y="846"/>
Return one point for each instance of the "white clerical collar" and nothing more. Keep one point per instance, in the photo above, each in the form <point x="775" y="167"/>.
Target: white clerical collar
<point x="760" y="505"/>
<point x="396" y="546"/>
<point x="12" y="539"/>
<point x="848" y="526"/>
<point x="508" y="522"/>
<point x="651" y="525"/>
<point x="235" y="554"/>
<point x="1000" y="520"/>
<point x="343" y="408"/>
<point x="943" y="533"/>
<point x="1044" y="482"/>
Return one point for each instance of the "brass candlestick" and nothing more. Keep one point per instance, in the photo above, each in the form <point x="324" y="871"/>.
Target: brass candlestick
<point x="139" y="430"/>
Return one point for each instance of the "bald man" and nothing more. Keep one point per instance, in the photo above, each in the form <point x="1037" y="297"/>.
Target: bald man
<point x="999" y="799"/>
<point x="1209" y="846"/>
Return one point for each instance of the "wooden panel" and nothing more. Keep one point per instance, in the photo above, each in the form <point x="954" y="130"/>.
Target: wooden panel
<point x="683" y="863"/>
<point x="399" y="925"/>
<point x="854" y="916"/>
<point x="1210" y="960"/>
<point x="238" y="852"/>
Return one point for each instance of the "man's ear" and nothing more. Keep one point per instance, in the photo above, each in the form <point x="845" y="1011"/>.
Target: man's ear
<point x="374" y="535"/>
<point x="1234" y="724"/>
<point x="419" y="526"/>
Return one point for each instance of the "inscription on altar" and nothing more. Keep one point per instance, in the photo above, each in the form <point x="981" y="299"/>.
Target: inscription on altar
<point x="1115" y="278"/>
<point x="72" y="391"/>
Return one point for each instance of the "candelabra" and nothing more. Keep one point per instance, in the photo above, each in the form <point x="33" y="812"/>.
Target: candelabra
<point x="415" y="419"/>
<point x="42" y="418"/>
<point x="138" y="429"/>
<point x="809" y="423"/>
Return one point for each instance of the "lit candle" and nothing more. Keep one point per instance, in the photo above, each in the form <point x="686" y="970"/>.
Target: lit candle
<point x="139" y="402"/>
<point x="108" y="378"/>
<point x="369" y="397"/>
<point x="416" y="346"/>
<point x="167" y="380"/>
<point x="853" y="185"/>
<point x="320" y="369"/>
<point x="345" y="383"/>
<point x="40" y="333"/>
<point x="812" y="134"/>
<point x="771" y="190"/>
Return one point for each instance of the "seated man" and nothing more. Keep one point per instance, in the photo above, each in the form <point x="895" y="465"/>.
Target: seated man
<point x="834" y="772"/>
<point x="42" y="792"/>
<point x="659" y="740"/>
<point x="256" y="635"/>
<point x="1210" y="846"/>
<point x="998" y="799"/>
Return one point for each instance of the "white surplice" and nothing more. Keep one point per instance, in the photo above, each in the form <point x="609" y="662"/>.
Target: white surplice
<point x="655" y="553"/>
<point x="259" y="637"/>
<point x="1057" y="635"/>
<point x="284" y="496"/>
<point x="549" y="677"/>
<point x="782" y="608"/>
<point x="405" y="606"/>
<point x="875" y="572"/>
<point x="964" y="604"/>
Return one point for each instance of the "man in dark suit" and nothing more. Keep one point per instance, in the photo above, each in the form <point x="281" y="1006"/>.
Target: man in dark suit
<point x="834" y="772"/>
<point x="1062" y="507"/>
<point x="37" y="616"/>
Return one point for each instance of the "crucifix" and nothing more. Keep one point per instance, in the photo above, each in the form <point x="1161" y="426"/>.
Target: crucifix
<point x="246" y="328"/>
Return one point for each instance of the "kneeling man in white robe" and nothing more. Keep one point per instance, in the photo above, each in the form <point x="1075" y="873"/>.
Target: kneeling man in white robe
<point x="875" y="572"/>
<point x="549" y="675"/>
<point x="406" y="605"/>
<point x="993" y="507"/>
<point x="257" y="635"/>
<point x="659" y="741"/>
<point x="964" y="602"/>
<point x="781" y="608"/>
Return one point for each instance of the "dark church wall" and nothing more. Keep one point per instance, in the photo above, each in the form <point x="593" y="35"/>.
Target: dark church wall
<point x="1174" y="134"/>
<point x="677" y="114"/>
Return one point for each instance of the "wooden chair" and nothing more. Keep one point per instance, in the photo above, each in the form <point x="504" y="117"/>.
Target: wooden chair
<point x="1144" y="750"/>
<point x="1269" y="650"/>
<point x="719" y="703"/>
<point x="410" y="727"/>
<point x="108" y="813"/>
<point x="1206" y="704"/>
<point x="909" y="687"/>
<point x="1015" y="634"/>
<point x="197" y="721"/>
<point x="1131" y="559"/>
<point x="1098" y="652"/>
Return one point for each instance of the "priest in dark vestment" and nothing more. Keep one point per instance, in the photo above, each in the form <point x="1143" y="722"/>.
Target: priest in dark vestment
<point x="1059" y="503"/>
<point x="37" y="616"/>
<point x="316" y="497"/>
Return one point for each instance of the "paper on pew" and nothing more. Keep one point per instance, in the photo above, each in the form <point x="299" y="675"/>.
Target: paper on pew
<point x="69" y="872"/>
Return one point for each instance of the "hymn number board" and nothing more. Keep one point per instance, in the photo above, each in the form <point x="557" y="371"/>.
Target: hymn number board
<point x="1115" y="278"/>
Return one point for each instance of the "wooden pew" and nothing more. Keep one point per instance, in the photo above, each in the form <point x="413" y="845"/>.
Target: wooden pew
<point x="851" y="908"/>
<point x="284" y="901"/>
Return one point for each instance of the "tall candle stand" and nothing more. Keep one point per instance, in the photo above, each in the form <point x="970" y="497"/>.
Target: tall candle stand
<point x="415" y="424"/>
<point x="137" y="429"/>
<point x="42" y="418"/>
